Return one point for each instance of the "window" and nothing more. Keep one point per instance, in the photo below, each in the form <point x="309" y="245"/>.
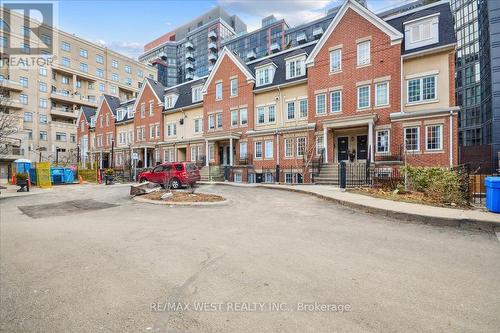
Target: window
<point x="234" y="87"/>
<point x="364" y="97"/>
<point x="84" y="53"/>
<point x="65" y="79"/>
<point x="42" y="71"/>
<point x="420" y="32"/>
<point x="99" y="72"/>
<point x="30" y="134"/>
<point x="28" y="117"/>
<point x="243" y="117"/>
<point x="383" y="141"/>
<point x="237" y="177"/>
<point x="25" y="31"/>
<point x="112" y="89"/>
<point x="319" y="144"/>
<point x="422" y="89"/>
<point x="46" y="39"/>
<point x="25" y="48"/>
<point x="193" y="154"/>
<point x="288" y="178"/>
<point x="198" y="125"/>
<point x="288" y="147"/>
<point x="412" y="138"/>
<point x="243" y="150"/>
<point x="43" y="135"/>
<point x="336" y="101"/>
<point x="290" y="110"/>
<point x="65" y="62"/>
<point x="196" y="94"/>
<point x="382" y="94"/>
<point x="234" y="118"/>
<point x="261" y="115"/>
<point x="128" y="81"/>
<point x="99" y="59"/>
<point x="114" y="63"/>
<point x="102" y="87"/>
<point x="211" y="151"/>
<point x="65" y="46"/>
<point x="264" y="76"/>
<point x="268" y="149"/>
<point x="271" y="113"/>
<point x="301" y="146"/>
<point x="23" y="98"/>
<point x="128" y="69"/>
<point x="151" y="131"/>
<point x="143" y="110"/>
<point x="115" y="77"/>
<point x="23" y="81"/>
<point x="42" y="118"/>
<point x="107" y="119"/>
<point x="42" y="86"/>
<point x="157" y="126"/>
<point x="151" y="109"/>
<point x="140" y="73"/>
<point x="60" y="136"/>
<point x="295" y="68"/>
<point x="211" y="121"/>
<point x="303" y="108"/>
<point x="336" y="60"/>
<point x="78" y="83"/>
<point x="321" y="104"/>
<point x="258" y="149"/>
<point x="364" y="53"/>
<point x="219" y="120"/>
<point x="434" y="137"/>
<point x="42" y="103"/>
<point x="170" y="101"/>
<point x="218" y="90"/>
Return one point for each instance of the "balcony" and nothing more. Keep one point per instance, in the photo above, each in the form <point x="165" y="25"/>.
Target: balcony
<point x="11" y="153"/>
<point x="189" y="66"/>
<point x="162" y="55"/>
<point x="317" y="32"/>
<point x="212" y="57"/>
<point x="212" y="46"/>
<point x="189" y="76"/>
<point x="189" y="56"/>
<point x="189" y="45"/>
<point x="70" y="98"/>
<point x="64" y="112"/>
<point x="301" y="38"/>
<point x="72" y="71"/>
<point x="10" y="85"/>
<point x="251" y="55"/>
<point x="14" y="103"/>
<point x="275" y="47"/>
<point x="212" y="35"/>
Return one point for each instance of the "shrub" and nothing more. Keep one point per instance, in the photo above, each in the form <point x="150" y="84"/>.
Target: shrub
<point x="109" y="172"/>
<point x="21" y="176"/>
<point x="440" y="184"/>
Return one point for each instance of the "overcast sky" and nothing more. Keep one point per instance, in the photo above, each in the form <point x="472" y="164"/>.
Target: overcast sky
<point x="126" y="25"/>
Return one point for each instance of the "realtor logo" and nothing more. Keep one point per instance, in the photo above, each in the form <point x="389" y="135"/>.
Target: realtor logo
<point x="30" y="26"/>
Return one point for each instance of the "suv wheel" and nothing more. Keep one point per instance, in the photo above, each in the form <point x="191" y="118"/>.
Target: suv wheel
<point x="142" y="180"/>
<point x="175" y="184"/>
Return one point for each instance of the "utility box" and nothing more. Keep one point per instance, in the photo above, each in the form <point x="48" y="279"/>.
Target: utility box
<point x="492" y="194"/>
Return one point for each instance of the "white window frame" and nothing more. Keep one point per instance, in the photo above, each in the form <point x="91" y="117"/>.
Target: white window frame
<point x="418" y="138"/>
<point x="297" y="146"/>
<point x="243" y="152"/>
<point x="332" y="54"/>
<point x="243" y="120"/>
<point x="255" y="144"/>
<point x="377" y="86"/>
<point x="234" y="118"/>
<point x="295" y="67"/>
<point x="218" y="91"/>
<point x="268" y="149"/>
<point x="324" y="104"/>
<point x="363" y="60"/>
<point x="369" y="97"/>
<point x="440" y="137"/>
<point x="339" y="91"/>
<point x="421" y="89"/>
<point x="234" y="87"/>
<point x="288" y="147"/>
<point x="388" y="141"/>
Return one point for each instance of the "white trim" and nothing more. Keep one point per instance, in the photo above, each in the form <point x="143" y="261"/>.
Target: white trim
<point x="388" y="130"/>
<point x="395" y="35"/>
<point x="414" y="10"/>
<point x="160" y="100"/>
<point x="418" y="138"/>
<point x="440" y="137"/>
<point x="420" y="18"/>
<point x="387" y="94"/>
<point x="233" y="58"/>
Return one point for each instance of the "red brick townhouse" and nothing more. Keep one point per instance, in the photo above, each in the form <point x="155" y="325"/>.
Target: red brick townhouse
<point x="383" y="91"/>
<point x="104" y="130"/>
<point x="368" y="91"/>
<point x="85" y="126"/>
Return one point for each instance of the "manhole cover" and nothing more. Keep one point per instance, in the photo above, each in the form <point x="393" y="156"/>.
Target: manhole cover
<point x="63" y="208"/>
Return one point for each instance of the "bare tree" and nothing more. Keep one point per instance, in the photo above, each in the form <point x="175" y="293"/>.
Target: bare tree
<point x="9" y="123"/>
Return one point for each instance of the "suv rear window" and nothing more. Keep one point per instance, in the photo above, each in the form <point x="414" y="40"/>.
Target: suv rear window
<point x="191" y="167"/>
<point x="179" y="167"/>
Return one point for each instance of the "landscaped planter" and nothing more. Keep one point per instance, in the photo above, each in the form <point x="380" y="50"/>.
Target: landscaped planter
<point x="23" y="184"/>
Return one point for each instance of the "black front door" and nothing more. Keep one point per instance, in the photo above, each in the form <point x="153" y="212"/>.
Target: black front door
<point x="228" y="161"/>
<point x="342" y="148"/>
<point x="362" y="147"/>
<point x="221" y="155"/>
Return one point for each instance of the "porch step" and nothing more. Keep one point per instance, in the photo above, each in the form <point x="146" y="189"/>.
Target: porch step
<point x="214" y="172"/>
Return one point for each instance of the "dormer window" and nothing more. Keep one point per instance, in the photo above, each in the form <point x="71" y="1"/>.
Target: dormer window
<point x="295" y="67"/>
<point x="422" y="32"/>
<point x="130" y="112"/>
<point x="170" y="101"/>
<point x="265" y="75"/>
<point x="196" y="94"/>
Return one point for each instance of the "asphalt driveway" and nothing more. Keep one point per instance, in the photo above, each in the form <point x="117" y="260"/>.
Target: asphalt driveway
<point x="265" y="261"/>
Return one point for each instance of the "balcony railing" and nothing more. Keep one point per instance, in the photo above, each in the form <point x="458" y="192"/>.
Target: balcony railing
<point x="212" y="57"/>
<point x="212" y="35"/>
<point x="189" y="56"/>
<point x="212" y="46"/>
<point x="251" y="55"/>
<point x="8" y="150"/>
<point x="275" y="47"/>
<point x="317" y="31"/>
<point x="189" y="45"/>
<point x="301" y="37"/>
<point x="10" y="84"/>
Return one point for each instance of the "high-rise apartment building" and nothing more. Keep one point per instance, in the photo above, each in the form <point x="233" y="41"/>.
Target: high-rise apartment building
<point x="47" y="91"/>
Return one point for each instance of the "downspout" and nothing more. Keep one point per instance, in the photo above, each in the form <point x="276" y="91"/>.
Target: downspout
<point x="451" y="139"/>
<point x="401" y="99"/>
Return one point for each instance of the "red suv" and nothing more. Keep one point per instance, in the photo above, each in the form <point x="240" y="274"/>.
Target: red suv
<point x="177" y="174"/>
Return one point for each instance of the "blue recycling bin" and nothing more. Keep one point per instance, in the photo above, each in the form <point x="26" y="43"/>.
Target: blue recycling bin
<point x="493" y="194"/>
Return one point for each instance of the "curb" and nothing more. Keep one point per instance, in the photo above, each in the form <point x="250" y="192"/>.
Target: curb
<point x="462" y="223"/>
<point x="190" y="204"/>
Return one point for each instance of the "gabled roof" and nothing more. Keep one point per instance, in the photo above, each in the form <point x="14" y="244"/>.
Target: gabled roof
<point x="88" y="112"/>
<point x="184" y="93"/>
<point x="112" y="102"/>
<point x="125" y="105"/>
<point x="234" y="58"/>
<point x="446" y="28"/>
<point x="157" y="88"/>
<point x="394" y="34"/>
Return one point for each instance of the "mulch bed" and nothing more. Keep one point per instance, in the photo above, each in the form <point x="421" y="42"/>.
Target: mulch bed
<point x="412" y="197"/>
<point x="181" y="196"/>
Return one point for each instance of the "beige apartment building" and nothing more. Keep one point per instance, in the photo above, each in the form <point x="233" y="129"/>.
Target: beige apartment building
<point x="47" y="90"/>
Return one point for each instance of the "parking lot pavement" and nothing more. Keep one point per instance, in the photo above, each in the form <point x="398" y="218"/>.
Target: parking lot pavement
<point x="265" y="261"/>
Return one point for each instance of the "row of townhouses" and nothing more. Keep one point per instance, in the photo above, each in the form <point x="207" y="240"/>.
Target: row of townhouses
<point x="47" y="89"/>
<point x="370" y="90"/>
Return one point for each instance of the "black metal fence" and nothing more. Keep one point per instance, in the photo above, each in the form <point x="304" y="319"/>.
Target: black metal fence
<point x="472" y="179"/>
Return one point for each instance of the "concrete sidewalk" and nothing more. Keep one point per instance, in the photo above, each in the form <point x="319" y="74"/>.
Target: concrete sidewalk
<point x="395" y="209"/>
<point x="11" y="191"/>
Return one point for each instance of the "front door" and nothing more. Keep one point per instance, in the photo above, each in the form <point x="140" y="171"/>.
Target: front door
<point x="228" y="158"/>
<point x="362" y="147"/>
<point x="342" y="148"/>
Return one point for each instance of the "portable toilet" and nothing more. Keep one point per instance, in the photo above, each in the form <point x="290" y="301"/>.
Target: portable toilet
<point x="22" y="165"/>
